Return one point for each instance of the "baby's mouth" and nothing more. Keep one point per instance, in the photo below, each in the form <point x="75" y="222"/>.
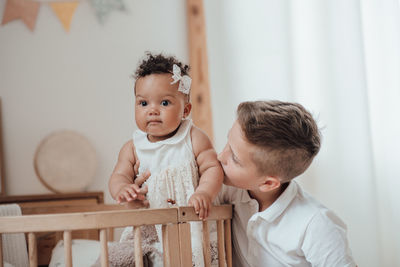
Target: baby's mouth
<point x="150" y="122"/>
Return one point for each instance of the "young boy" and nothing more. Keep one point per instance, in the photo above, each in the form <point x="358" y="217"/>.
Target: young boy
<point x="274" y="222"/>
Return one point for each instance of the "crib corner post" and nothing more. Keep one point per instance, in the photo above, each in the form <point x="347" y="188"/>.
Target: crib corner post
<point x="170" y="240"/>
<point x="185" y="244"/>
<point x="228" y="242"/>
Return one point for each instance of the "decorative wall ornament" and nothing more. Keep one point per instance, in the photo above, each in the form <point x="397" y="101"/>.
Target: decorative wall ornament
<point x="104" y="7"/>
<point x="64" y="12"/>
<point x="27" y="10"/>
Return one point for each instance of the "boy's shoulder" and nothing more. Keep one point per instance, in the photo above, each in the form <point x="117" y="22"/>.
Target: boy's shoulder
<point x="294" y="206"/>
<point x="294" y="222"/>
<point x="298" y="207"/>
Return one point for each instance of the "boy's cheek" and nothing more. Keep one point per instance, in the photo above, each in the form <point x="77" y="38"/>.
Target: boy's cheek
<point x="227" y="176"/>
<point x="226" y="180"/>
<point x="224" y="168"/>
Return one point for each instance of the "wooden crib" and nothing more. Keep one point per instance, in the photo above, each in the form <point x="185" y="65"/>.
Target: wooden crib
<point x="175" y="231"/>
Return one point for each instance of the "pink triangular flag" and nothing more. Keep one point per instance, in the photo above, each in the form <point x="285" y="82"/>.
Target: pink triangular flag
<point x="26" y="10"/>
<point x="64" y="12"/>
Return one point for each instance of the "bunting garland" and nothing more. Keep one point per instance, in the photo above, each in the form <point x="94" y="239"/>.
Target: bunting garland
<point x="64" y="12"/>
<point x="21" y="9"/>
<point x="27" y="10"/>
<point x="104" y="7"/>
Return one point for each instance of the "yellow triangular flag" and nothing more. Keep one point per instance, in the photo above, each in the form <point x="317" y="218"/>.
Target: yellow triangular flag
<point x="64" y="12"/>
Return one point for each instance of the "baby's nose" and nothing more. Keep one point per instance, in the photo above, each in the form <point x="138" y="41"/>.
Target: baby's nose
<point x="154" y="111"/>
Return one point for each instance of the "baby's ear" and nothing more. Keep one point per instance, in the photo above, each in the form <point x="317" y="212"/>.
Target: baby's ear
<point x="270" y="183"/>
<point x="187" y="109"/>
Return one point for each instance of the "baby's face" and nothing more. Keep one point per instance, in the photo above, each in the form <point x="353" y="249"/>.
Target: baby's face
<point x="159" y="106"/>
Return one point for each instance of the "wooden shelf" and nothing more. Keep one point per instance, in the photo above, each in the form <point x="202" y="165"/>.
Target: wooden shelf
<point x="98" y="197"/>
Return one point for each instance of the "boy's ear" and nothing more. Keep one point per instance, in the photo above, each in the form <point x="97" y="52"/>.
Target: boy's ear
<point x="270" y="183"/>
<point x="187" y="109"/>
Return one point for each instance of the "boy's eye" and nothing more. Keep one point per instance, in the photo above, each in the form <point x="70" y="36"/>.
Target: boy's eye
<point x="165" y="102"/>
<point x="143" y="103"/>
<point x="234" y="159"/>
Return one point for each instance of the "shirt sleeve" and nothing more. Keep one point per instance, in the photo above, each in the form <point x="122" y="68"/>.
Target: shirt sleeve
<point x="221" y="197"/>
<point x="325" y="241"/>
<point x="225" y="195"/>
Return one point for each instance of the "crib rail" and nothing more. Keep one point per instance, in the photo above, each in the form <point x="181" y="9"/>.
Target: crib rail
<point x="175" y="228"/>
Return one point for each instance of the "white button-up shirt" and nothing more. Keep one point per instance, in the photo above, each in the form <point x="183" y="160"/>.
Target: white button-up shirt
<point x="296" y="230"/>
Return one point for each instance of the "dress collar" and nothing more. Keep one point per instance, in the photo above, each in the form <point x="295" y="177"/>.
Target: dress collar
<point x="142" y="142"/>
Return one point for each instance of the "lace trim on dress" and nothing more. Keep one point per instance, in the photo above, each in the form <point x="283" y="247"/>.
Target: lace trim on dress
<point x="172" y="183"/>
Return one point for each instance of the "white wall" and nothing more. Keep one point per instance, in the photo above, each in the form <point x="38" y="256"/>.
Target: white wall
<point x="248" y="57"/>
<point x="52" y="80"/>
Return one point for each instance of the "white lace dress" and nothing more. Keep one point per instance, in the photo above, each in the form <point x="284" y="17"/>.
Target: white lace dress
<point x="174" y="175"/>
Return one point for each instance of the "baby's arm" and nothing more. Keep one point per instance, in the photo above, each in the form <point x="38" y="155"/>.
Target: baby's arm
<point x="210" y="170"/>
<point x="121" y="184"/>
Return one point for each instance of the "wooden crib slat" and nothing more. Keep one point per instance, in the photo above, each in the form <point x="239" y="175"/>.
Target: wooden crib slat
<point x="187" y="214"/>
<point x="138" y="246"/>
<point x="228" y="242"/>
<point x="1" y="250"/>
<point x="68" y="248"/>
<point x="185" y="244"/>
<point x="86" y="220"/>
<point x="165" y="245"/>
<point x="170" y="239"/>
<point x="104" y="248"/>
<point x="221" y="243"/>
<point x="206" y="245"/>
<point x="110" y="234"/>
<point x="32" y="248"/>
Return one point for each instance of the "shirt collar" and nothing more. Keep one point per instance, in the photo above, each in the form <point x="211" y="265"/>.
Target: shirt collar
<point x="282" y="202"/>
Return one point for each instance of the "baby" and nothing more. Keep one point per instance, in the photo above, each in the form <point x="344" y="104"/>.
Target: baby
<point x="180" y="157"/>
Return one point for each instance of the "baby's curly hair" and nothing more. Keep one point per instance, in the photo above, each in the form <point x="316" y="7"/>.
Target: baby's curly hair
<point x="158" y="64"/>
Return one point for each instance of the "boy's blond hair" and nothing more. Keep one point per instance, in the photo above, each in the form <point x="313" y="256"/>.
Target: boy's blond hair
<point x="285" y="133"/>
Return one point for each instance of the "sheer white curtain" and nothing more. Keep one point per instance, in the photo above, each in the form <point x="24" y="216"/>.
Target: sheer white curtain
<point x="381" y="36"/>
<point x="340" y="59"/>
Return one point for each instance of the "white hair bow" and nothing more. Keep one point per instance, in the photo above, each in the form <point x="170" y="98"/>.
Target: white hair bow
<point x="184" y="81"/>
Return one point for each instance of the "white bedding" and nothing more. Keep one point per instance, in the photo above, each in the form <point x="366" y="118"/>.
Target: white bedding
<point x="84" y="253"/>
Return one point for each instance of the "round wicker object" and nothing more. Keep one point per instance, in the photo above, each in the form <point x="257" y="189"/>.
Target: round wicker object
<point x="65" y="162"/>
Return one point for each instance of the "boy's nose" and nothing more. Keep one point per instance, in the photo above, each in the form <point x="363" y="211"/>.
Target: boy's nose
<point x="221" y="156"/>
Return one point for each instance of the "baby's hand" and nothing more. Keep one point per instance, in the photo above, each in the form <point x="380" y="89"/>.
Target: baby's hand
<point x="201" y="202"/>
<point x="130" y="192"/>
<point x="135" y="191"/>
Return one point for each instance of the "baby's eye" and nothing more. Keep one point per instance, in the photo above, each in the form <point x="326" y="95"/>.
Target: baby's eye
<point x="165" y="102"/>
<point x="143" y="103"/>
